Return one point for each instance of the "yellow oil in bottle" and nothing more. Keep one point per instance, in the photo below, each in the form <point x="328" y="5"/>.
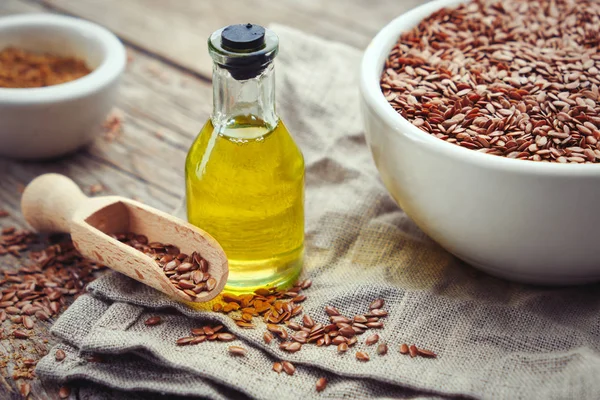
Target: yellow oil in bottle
<point x="245" y="187"/>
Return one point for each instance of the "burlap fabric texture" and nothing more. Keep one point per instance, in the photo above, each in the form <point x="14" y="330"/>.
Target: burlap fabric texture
<point x="494" y="339"/>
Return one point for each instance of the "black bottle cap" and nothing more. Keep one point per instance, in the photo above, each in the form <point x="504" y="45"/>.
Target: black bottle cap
<point x="245" y="50"/>
<point x="243" y="37"/>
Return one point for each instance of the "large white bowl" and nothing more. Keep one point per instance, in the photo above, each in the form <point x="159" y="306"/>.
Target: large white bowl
<point x="522" y="220"/>
<point x="46" y="122"/>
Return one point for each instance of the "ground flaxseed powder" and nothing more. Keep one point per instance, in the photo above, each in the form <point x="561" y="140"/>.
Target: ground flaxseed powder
<point x="22" y="69"/>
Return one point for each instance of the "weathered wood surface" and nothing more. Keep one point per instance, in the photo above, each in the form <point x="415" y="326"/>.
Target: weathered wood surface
<point x="165" y="97"/>
<point x="177" y="30"/>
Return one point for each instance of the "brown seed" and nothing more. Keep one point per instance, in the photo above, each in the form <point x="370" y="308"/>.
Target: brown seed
<point x="25" y="389"/>
<point x="361" y="319"/>
<point x="184" y="341"/>
<point x="153" y="321"/>
<point x="299" y="298"/>
<point x="382" y="349"/>
<point x="352" y="341"/>
<point x="19" y="334"/>
<point x="374" y="338"/>
<point x="374" y="325"/>
<point x="64" y="392"/>
<point x="54" y="307"/>
<point x="342" y="347"/>
<point x="289" y="368"/>
<point x="208" y="330"/>
<point x="13" y="310"/>
<point x="332" y="311"/>
<point x="198" y="339"/>
<point x="294" y="346"/>
<point x="59" y="355"/>
<point x="404" y="348"/>
<point x="307" y="321"/>
<point x="267" y="337"/>
<point x="211" y="283"/>
<point x="217" y="307"/>
<point x="306" y="284"/>
<point x="42" y="316"/>
<point x="225" y="337"/>
<point x="293" y="325"/>
<point x="426" y="353"/>
<point x="412" y="350"/>
<point x="347" y="331"/>
<point x="378" y="303"/>
<point x="237" y="351"/>
<point x="277" y="367"/>
<point x="247" y="317"/>
<point x="27" y="322"/>
<point x="321" y="384"/>
<point x="339" y="339"/>
<point x="362" y="356"/>
<point x="29" y="362"/>
<point x="378" y="313"/>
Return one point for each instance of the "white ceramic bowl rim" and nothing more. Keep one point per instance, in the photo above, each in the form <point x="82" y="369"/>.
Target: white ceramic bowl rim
<point x="109" y="69"/>
<point x="371" y="69"/>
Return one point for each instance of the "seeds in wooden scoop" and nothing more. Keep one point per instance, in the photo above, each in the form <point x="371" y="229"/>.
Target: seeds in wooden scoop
<point x="188" y="273"/>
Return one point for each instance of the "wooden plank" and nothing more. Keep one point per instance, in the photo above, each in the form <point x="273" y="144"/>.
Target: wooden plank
<point x="163" y="109"/>
<point x="178" y="30"/>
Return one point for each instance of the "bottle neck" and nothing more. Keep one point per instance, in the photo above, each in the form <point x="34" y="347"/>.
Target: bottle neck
<point x="245" y="99"/>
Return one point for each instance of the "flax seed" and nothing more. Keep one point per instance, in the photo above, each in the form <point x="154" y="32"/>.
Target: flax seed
<point x="404" y="348"/>
<point x="321" y="384"/>
<point x="288" y="368"/>
<point x="362" y="356"/>
<point x="382" y="349"/>
<point x="374" y="338"/>
<point x="534" y="95"/>
<point x="277" y="367"/>
<point x="153" y="321"/>
<point x="64" y="392"/>
<point x="59" y="355"/>
<point x="413" y="351"/>
<point x="237" y="351"/>
<point x="426" y="353"/>
<point x="267" y="337"/>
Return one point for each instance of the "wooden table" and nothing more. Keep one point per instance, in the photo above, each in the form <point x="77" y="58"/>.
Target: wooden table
<point x="165" y="97"/>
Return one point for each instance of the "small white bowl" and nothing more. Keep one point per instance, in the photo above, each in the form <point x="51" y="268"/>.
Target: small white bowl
<point x="526" y="221"/>
<point x="39" y="123"/>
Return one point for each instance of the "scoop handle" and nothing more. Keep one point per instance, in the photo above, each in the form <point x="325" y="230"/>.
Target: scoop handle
<point x="50" y="201"/>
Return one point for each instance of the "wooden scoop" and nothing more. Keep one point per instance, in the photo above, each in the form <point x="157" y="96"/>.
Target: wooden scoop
<point x="54" y="203"/>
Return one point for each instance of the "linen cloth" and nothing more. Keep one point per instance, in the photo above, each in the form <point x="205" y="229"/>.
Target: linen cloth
<point x="494" y="339"/>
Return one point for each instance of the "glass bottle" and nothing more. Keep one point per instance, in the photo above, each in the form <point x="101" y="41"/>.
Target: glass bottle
<point x="244" y="173"/>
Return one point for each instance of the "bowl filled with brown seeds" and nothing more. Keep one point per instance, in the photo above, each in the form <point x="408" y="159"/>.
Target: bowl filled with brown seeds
<point x="483" y="119"/>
